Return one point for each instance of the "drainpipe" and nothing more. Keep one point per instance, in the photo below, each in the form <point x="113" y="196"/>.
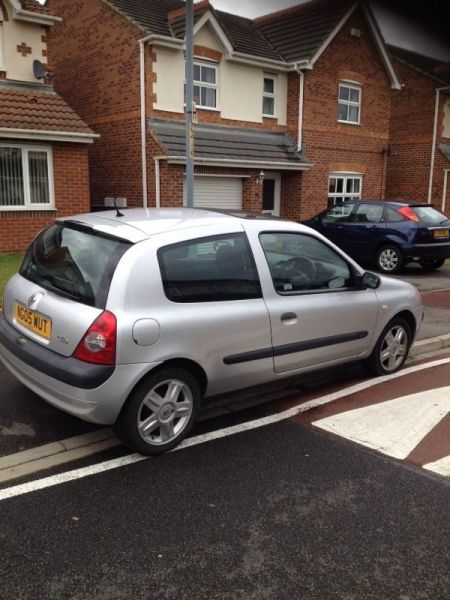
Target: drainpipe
<point x="300" y="107"/>
<point x="143" y="124"/>
<point x="433" y="148"/>
<point x="157" y="183"/>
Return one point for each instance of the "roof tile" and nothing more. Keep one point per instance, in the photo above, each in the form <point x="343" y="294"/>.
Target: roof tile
<point x="44" y="111"/>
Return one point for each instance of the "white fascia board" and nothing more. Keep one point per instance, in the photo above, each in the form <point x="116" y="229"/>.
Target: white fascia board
<point x="265" y="63"/>
<point x="395" y="83"/>
<point x="231" y="162"/>
<point x="333" y="34"/>
<point x="208" y="17"/>
<point x="21" y="14"/>
<point x="55" y="136"/>
<point x="162" y="40"/>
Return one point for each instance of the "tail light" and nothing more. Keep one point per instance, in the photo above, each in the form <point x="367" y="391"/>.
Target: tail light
<point x="408" y="213"/>
<point x="99" y="342"/>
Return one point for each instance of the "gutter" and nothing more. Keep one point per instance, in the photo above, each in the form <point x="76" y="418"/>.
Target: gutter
<point x="48" y="135"/>
<point x="245" y="164"/>
<point x="301" y="91"/>
<point x="433" y="147"/>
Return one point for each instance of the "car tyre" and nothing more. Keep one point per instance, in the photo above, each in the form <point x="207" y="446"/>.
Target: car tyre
<point x="389" y="259"/>
<point x="160" y="412"/>
<point x="431" y="264"/>
<point x="391" y="350"/>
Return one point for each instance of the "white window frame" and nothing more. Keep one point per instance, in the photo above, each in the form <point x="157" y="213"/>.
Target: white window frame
<point x="351" y="85"/>
<point x="211" y="86"/>
<point x="269" y="95"/>
<point x="341" y="196"/>
<point x="28" y="205"/>
<point x="2" y="47"/>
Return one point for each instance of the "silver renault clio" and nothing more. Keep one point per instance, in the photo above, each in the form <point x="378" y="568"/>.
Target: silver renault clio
<point x="132" y="319"/>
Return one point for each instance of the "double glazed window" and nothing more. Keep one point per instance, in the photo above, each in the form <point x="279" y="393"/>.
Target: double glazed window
<point x="268" y="107"/>
<point x="343" y="187"/>
<point x="349" y="103"/>
<point x="209" y="269"/>
<point x="205" y="85"/>
<point x="25" y="177"/>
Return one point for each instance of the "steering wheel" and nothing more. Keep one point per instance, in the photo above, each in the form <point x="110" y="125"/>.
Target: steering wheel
<point x="304" y="266"/>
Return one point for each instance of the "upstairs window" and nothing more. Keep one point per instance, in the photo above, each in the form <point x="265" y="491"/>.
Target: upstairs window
<point x="205" y="85"/>
<point x="25" y="178"/>
<point x="349" y="103"/>
<point x="268" y="108"/>
<point x="343" y="188"/>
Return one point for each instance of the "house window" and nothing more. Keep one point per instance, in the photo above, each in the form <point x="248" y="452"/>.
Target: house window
<point x="349" y="104"/>
<point x="268" y="107"/>
<point x="25" y="178"/>
<point x="205" y="85"/>
<point x="343" y="187"/>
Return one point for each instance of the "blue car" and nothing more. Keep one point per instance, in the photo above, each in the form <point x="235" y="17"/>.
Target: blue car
<point x="387" y="233"/>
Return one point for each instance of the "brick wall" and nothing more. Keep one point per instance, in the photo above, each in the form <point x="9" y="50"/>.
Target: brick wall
<point x="331" y="146"/>
<point x="71" y="181"/>
<point x="411" y="139"/>
<point x="95" y="55"/>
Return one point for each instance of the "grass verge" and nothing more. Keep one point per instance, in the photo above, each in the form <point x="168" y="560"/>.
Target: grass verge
<point x="9" y="264"/>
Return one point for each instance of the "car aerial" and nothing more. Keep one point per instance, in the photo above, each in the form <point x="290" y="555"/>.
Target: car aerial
<point x="387" y="233"/>
<point x="133" y="318"/>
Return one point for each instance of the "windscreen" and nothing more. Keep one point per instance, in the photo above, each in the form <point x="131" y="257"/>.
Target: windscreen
<point x="74" y="262"/>
<point x="429" y="215"/>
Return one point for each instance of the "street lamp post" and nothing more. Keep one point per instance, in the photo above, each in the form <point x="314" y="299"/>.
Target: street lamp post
<point x="189" y="103"/>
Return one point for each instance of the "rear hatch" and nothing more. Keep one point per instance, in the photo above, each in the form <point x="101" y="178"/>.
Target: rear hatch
<point x="63" y="284"/>
<point x="433" y="225"/>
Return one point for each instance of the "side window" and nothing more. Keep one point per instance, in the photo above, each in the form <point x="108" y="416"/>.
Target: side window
<point x="299" y="263"/>
<point x="209" y="269"/>
<point x="339" y="213"/>
<point x="368" y="213"/>
<point x="393" y="216"/>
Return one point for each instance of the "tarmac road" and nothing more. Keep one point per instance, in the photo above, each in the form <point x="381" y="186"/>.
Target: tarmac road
<point x="282" y="511"/>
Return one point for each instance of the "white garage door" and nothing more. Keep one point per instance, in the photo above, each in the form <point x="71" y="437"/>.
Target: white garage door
<point x="217" y="192"/>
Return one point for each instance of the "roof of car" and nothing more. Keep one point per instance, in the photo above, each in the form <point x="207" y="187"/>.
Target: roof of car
<point x="137" y="224"/>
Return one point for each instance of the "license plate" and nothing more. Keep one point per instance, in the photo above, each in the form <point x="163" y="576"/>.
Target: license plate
<point x="33" y="320"/>
<point x="440" y="233"/>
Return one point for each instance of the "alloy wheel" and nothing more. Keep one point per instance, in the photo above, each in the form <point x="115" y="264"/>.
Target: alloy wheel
<point x="164" y="412"/>
<point x="394" y="348"/>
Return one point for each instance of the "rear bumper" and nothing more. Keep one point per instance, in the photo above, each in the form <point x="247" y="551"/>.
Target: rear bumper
<point x="101" y="404"/>
<point x="63" y="368"/>
<point x="438" y="250"/>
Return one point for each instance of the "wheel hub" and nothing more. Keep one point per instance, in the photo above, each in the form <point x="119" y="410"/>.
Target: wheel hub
<point x="166" y="413"/>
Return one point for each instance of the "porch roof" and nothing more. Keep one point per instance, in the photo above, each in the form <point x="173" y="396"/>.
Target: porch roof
<point x="26" y="110"/>
<point x="230" y="146"/>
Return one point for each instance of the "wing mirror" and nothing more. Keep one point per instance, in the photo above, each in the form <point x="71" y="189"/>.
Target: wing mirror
<point x="370" y="281"/>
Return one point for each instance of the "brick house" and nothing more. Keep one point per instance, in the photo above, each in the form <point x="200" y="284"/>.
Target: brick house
<point x="419" y="152"/>
<point x="43" y="143"/>
<point x="301" y="97"/>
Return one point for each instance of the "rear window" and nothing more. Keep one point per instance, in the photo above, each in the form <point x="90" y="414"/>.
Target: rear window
<point x="74" y="262"/>
<point x="429" y="215"/>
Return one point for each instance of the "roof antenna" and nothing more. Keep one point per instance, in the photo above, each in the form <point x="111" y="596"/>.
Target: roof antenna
<point x="118" y="213"/>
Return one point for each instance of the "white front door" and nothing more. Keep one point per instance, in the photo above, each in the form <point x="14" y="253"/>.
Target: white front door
<point x="271" y="194"/>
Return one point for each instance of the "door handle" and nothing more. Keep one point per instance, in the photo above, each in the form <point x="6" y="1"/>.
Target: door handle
<point x="289" y="316"/>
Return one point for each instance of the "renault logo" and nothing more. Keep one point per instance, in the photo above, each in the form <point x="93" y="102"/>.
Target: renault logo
<point x="34" y="299"/>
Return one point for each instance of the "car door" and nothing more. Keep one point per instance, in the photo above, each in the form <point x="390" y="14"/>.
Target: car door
<point x="319" y="314"/>
<point x="365" y="230"/>
<point x="333" y="224"/>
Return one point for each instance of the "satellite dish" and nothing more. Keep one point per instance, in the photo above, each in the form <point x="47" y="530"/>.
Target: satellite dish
<point x="39" y="70"/>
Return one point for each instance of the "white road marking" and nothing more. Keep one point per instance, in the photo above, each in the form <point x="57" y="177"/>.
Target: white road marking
<point x="394" y="427"/>
<point x="442" y="466"/>
<point x="115" y="463"/>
